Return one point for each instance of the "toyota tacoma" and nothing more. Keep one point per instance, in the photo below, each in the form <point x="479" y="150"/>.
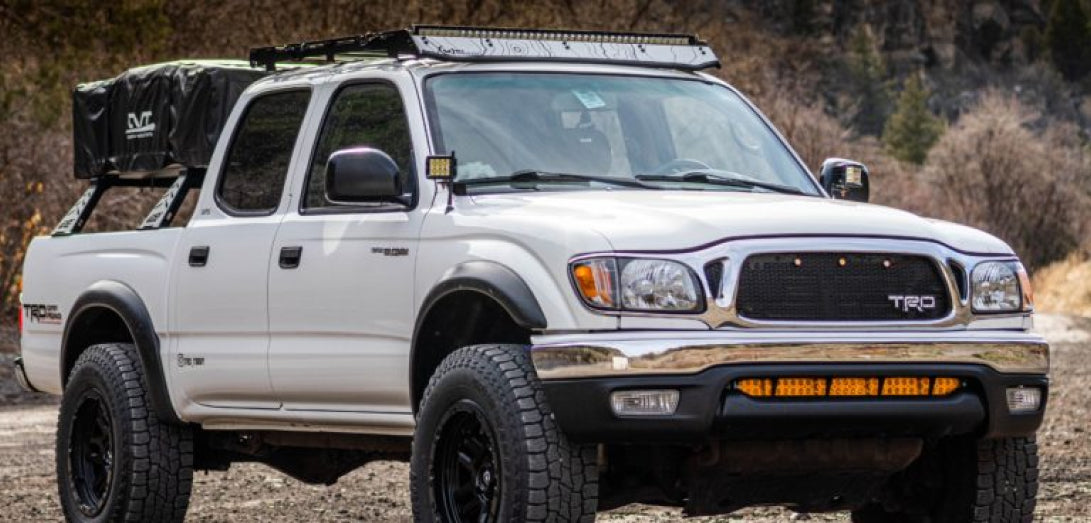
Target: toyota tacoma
<point x="557" y="271"/>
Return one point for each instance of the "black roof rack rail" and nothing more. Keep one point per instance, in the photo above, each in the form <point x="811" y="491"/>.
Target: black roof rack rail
<point x="480" y="44"/>
<point x="391" y="43"/>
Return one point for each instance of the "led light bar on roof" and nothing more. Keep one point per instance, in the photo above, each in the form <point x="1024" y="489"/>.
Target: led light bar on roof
<point x="499" y="44"/>
<point x="482" y="44"/>
<point x="557" y="36"/>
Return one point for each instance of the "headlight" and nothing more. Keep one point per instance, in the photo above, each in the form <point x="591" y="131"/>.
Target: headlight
<point x="637" y="284"/>
<point x="657" y="285"/>
<point x="1000" y="287"/>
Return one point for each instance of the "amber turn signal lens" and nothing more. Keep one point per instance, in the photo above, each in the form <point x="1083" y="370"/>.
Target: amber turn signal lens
<point x="595" y="280"/>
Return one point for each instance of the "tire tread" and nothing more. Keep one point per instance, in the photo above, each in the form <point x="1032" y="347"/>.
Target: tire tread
<point x="156" y="457"/>
<point x="562" y="477"/>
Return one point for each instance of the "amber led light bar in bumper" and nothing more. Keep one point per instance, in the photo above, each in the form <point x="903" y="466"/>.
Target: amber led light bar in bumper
<point x="838" y="386"/>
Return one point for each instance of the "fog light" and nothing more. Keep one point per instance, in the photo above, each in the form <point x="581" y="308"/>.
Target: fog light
<point x="1024" y="399"/>
<point x="644" y="402"/>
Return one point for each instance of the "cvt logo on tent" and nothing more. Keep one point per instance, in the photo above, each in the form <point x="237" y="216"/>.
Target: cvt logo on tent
<point x="140" y="126"/>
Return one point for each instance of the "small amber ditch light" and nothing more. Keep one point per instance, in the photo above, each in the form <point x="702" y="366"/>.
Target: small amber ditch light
<point x="440" y="167"/>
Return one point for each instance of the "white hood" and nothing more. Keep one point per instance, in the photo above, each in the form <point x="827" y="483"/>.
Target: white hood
<point x="677" y="220"/>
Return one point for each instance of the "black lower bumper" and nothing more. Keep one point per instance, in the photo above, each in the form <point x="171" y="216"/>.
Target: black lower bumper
<point x="709" y="409"/>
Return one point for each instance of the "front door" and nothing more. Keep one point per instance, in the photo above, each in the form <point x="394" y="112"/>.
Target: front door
<point x="220" y="287"/>
<point x="341" y="280"/>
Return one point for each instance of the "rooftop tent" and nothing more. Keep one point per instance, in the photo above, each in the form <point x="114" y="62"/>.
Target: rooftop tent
<point x="155" y="119"/>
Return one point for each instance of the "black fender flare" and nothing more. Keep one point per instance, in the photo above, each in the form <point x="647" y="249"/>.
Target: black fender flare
<point x="127" y="304"/>
<point x="496" y="281"/>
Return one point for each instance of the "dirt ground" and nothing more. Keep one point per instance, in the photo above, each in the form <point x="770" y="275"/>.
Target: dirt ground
<point x="380" y="492"/>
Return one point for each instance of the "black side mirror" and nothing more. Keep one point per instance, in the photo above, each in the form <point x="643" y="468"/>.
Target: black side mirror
<point x="361" y="175"/>
<point x="845" y="179"/>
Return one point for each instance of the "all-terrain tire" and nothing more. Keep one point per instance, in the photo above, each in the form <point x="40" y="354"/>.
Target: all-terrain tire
<point x="111" y="443"/>
<point x="988" y="480"/>
<point x="494" y="391"/>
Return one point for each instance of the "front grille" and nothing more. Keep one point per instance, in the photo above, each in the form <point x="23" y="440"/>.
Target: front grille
<point x="841" y="287"/>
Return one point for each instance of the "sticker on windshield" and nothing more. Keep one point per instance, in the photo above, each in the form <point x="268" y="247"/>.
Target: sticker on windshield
<point x="471" y="170"/>
<point x="589" y="99"/>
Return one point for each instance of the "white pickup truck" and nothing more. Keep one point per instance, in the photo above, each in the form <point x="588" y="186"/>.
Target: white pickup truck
<point x="559" y="271"/>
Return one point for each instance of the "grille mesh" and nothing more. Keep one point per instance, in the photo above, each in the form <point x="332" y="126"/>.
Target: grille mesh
<point x="818" y="287"/>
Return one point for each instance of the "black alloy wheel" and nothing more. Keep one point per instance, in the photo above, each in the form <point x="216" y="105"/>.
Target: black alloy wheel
<point x="115" y="459"/>
<point x="91" y="453"/>
<point x="486" y="448"/>
<point x="468" y="482"/>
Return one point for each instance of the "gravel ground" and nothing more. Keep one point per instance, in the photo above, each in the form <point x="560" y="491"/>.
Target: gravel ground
<point x="380" y="492"/>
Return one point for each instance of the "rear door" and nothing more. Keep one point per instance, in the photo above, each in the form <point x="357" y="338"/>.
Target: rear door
<point x="341" y="282"/>
<point x="220" y="289"/>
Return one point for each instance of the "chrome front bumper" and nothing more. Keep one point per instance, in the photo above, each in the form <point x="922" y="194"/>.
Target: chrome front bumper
<point x="622" y="353"/>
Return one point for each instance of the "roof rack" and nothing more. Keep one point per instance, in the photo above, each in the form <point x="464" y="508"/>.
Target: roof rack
<point x="484" y="44"/>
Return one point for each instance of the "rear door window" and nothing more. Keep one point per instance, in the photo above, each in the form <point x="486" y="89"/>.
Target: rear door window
<point x="253" y="176"/>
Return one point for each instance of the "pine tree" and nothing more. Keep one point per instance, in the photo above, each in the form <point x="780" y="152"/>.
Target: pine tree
<point x="871" y="93"/>
<point x="912" y="130"/>
<point x="1068" y="39"/>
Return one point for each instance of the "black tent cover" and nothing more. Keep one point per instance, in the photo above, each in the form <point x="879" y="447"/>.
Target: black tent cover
<point x="157" y="117"/>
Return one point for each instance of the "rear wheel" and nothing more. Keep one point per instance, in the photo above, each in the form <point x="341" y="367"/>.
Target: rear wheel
<point x="964" y="480"/>
<point x="487" y="448"/>
<point x="115" y="460"/>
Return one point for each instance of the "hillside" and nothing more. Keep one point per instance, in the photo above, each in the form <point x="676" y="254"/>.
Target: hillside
<point x="1010" y="129"/>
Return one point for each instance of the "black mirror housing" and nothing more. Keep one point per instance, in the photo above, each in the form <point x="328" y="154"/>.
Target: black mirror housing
<point x="362" y="175"/>
<point x="845" y="179"/>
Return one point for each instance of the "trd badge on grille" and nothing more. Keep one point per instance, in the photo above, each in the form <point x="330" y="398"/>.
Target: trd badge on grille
<point x="906" y="303"/>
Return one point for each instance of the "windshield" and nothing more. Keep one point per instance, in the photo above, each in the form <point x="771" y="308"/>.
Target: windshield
<point x="659" y="133"/>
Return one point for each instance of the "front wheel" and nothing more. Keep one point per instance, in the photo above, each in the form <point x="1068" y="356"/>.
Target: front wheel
<point x="487" y="448"/>
<point x="961" y="481"/>
<point x="116" y="461"/>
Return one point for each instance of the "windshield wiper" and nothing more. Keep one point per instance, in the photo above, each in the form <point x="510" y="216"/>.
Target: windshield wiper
<point x="716" y="179"/>
<point x="531" y="176"/>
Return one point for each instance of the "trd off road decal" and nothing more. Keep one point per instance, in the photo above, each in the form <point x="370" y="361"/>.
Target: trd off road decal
<point x="47" y="314"/>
